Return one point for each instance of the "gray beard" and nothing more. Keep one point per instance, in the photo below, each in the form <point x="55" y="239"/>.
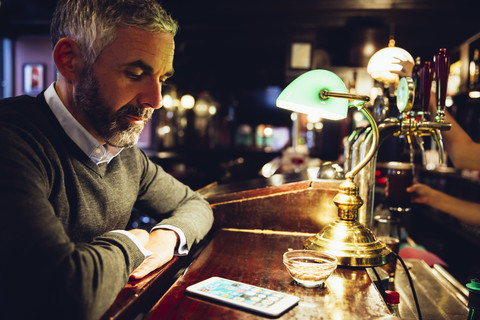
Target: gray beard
<point x="114" y="128"/>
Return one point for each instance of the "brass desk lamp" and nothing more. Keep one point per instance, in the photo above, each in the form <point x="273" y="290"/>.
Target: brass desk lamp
<point x="323" y="93"/>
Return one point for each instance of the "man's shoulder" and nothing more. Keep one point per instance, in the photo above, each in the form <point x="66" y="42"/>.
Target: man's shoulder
<point x="18" y="100"/>
<point x="133" y="153"/>
<point x="27" y="117"/>
<point x="22" y="105"/>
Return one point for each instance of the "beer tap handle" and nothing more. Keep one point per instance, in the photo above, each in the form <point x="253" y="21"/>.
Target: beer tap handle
<point x="425" y="85"/>
<point x="442" y="63"/>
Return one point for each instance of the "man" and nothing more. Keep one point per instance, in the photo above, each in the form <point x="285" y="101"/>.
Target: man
<point x="70" y="172"/>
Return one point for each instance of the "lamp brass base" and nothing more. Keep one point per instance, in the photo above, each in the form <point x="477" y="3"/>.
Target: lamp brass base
<point x="351" y="242"/>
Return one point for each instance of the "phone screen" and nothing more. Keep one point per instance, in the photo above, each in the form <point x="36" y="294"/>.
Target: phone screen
<point x="244" y="295"/>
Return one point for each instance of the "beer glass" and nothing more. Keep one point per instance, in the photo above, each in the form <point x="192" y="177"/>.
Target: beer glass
<point x="399" y="177"/>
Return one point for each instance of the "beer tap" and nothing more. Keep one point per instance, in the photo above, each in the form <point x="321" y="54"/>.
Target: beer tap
<point x="414" y="123"/>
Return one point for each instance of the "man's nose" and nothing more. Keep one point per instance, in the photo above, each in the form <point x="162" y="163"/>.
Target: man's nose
<point x="152" y="95"/>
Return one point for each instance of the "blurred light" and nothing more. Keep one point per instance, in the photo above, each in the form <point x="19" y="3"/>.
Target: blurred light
<point x="277" y="180"/>
<point x="472" y="67"/>
<point x="358" y="116"/>
<point x="368" y="49"/>
<point x="201" y="107"/>
<point x="319" y="126"/>
<point x="310" y="126"/>
<point x="163" y="130"/>
<point x="212" y="110"/>
<point x="268" y="131"/>
<point x="187" y="101"/>
<point x="170" y="114"/>
<point x="312" y="172"/>
<point x="448" y="101"/>
<point x="167" y="101"/>
<point x="474" y="94"/>
<point x="294" y="116"/>
<point x="183" y="122"/>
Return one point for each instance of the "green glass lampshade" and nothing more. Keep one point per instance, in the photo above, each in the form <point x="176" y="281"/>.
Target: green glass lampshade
<point x="303" y="95"/>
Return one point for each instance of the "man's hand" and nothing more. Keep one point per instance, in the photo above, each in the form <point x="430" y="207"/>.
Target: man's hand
<point x="162" y="244"/>
<point x="141" y="235"/>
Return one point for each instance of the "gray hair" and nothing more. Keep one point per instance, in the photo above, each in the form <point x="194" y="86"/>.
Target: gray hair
<point x="93" y="23"/>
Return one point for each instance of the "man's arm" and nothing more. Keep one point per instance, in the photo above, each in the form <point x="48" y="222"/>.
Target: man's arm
<point x="44" y="272"/>
<point x="176" y="207"/>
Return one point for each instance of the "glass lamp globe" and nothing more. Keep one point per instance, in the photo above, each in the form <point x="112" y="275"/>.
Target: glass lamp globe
<point x="386" y="64"/>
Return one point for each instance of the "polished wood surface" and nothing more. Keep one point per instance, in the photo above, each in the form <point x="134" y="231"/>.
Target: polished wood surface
<point x="305" y="205"/>
<point x="256" y="258"/>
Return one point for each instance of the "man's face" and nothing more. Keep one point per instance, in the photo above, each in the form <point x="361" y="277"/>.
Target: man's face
<point x="120" y="92"/>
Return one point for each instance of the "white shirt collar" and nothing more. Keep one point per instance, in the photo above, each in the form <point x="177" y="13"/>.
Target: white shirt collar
<point x="85" y="141"/>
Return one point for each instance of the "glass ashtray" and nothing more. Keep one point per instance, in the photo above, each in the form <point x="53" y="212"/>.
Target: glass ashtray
<point x="309" y="268"/>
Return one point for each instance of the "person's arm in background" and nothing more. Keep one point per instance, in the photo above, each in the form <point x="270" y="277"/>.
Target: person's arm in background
<point x="466" y="211"/>
<point x="461" y="149"/>
<point x="464" y="154"/>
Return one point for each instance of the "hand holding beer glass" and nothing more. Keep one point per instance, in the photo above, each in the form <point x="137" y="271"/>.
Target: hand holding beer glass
<point x="399" y="178"/>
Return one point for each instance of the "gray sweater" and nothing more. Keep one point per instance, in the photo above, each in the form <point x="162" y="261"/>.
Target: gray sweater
<point x="58" y="258"/>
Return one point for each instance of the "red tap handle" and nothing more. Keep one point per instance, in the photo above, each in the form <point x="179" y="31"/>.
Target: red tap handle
<point x="442" y="64"/>
<point x="425" y="86"/>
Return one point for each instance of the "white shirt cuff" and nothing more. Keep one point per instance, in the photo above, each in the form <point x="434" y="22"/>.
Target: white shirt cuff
<point x="145" y="252"/>
<point x="182" y="249"/>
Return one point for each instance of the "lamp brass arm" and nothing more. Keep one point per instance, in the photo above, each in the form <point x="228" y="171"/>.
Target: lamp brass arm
<point x="324" y="94"/>
<point x="359" y="103"/>
<point x="351" y="174"/>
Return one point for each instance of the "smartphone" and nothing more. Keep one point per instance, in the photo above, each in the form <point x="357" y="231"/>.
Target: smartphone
<point x="244" y="296"/>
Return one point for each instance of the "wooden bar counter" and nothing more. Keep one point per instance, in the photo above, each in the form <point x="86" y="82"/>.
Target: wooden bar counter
<point x="255" y="223"/>
<point x="255" y="257"/>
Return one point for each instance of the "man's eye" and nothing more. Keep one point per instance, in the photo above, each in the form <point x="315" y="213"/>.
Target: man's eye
<point x="133" y="76"/>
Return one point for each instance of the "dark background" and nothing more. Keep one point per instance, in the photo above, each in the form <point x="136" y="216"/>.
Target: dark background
<point x="229" y="46"/>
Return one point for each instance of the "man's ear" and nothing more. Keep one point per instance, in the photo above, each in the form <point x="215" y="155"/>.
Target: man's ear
<point x="68" y="59"/>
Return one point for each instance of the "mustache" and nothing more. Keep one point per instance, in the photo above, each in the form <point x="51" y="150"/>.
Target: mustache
<point x="131" y="110"/>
